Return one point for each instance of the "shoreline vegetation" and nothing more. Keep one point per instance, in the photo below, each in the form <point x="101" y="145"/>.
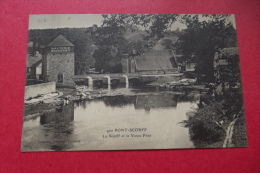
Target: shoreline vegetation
<point x="205" y="53"/>
<point x="207" y="125"/>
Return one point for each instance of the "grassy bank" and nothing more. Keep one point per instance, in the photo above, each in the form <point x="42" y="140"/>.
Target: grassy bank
<point x="239" y="138"/>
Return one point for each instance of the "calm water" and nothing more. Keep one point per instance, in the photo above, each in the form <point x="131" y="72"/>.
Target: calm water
<point x="141" y="119"/>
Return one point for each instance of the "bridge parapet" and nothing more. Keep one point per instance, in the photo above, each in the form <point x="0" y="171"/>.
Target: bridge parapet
<point x="123" y="78"/>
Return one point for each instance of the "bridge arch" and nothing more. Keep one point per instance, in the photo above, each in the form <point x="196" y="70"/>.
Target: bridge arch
<point x="90" y="81"/>
<point x="108" y="79"/>
<point x="135" y="80"/>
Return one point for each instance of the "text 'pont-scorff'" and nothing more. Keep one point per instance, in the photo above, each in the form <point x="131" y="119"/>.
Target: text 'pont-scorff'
<point x="127" y="133"/>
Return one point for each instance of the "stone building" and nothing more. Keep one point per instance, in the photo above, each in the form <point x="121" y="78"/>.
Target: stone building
<point x="152" y="62"/>
<point x="34" y="66"/>
<point x="58" y="61"/>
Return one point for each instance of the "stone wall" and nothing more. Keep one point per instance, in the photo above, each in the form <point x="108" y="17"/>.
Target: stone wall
<point x="60" y="63"/>
<point x="43" y="88"/>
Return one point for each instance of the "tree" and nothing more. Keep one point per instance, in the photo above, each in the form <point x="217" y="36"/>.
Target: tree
<point x="77" y="36"/>
<point x="111" y="45"/>
<point x="197" y="43"/>
<point x="154" y="25"/>
<point x="201" y="39"/>
<point x="204" y="126"/>
<point x="83" y="56"/>
<point x="111" y="36"/>
<point x="230" y="80"/>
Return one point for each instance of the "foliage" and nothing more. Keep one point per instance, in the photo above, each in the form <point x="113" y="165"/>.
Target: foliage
<point x="204" y="35"/>
<point x="240" y="134"/>
<point x="109" y="52"/>
<point x="112" y="45"/>
<point x="155" y="25"/>
<point x="201" y="39"/>
<point x="105" y="58"/>
<point x="231" y="81"/>
<point x="78" y="36"/>
<point x="204" y="126"/>
<point x="114" y="31"/>
<point x="197" y="43"/>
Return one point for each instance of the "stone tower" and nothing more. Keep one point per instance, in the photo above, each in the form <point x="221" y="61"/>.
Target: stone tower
<point x="58" y="61"/>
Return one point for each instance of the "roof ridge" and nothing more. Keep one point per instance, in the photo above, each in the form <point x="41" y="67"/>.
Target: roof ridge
<point x="60" y="41"/>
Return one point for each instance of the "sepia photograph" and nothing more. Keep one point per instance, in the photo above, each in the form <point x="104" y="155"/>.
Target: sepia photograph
<point x="132" y="82"/>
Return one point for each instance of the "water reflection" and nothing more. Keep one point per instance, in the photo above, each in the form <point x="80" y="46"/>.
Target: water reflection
<point x="119" y="101"/>
<point x="86" y="122"/>
<point x="156" y="101"/>
<point x="62" y="114"/>
<point x="140" y="101"/>
<point x="55" y="130"/>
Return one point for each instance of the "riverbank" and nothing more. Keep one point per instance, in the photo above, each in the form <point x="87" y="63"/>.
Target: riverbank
<point x="39" y="108"/>
<point x="236" y="135"/>
<point x="239" y="138"/>
<point x="42" y="107"/>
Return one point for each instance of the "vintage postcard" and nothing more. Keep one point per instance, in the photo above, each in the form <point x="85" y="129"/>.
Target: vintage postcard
<point x="131" y="82"/>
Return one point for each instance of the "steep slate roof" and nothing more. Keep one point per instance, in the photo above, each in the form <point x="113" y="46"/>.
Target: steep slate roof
<point x="33" y="61"/>
<point x="60" y="41"/>
<point x="155" y="60"/>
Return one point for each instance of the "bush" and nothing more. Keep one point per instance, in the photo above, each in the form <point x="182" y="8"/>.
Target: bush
<point x="207" y="125"/>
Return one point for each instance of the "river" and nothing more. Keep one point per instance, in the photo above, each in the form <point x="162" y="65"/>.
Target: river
<point x="136" y="118"/>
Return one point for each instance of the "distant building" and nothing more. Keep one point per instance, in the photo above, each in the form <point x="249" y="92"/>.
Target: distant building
<point x="34" y="66"/>
<point x="152" y="62"/>
<point x="58" y="61"/>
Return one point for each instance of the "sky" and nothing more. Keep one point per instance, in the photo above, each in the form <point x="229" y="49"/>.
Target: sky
<point x="48" y="21"/>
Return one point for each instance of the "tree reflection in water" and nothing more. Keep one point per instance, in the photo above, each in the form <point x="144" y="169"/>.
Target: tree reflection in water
<point x="58" y="128"/>
<point x="146" y="102"/>
<point x="118" y="101"/>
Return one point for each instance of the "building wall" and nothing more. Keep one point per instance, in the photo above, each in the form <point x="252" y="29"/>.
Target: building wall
<point x="44" y="67"/>
<point x="32" y="73"/>
<point x="43" y="88"/>
<point x="38" y="71"/>
<point x="132" y="65"/>
<point x="60" y="63"/>
<point x="124" y="62"/>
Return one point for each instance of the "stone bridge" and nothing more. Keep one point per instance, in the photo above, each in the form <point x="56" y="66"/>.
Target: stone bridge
<point x="120" y="77"/>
